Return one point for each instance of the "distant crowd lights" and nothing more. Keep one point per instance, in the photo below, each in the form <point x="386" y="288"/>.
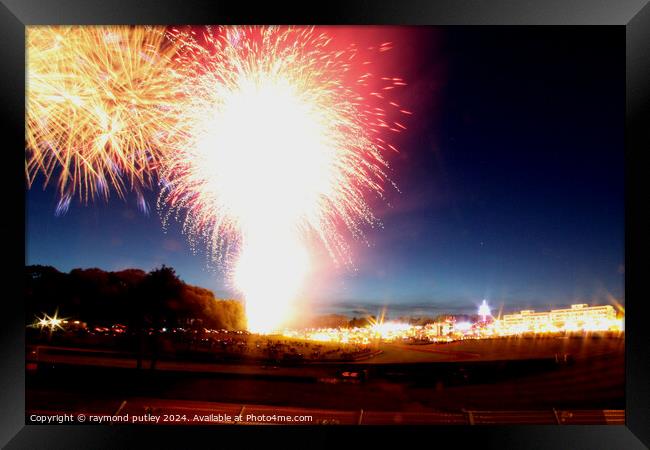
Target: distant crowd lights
<point x="384" y="331"/>
<point x="576" y="318"/>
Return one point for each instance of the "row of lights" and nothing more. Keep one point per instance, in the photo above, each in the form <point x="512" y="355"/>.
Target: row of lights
<point x="389" y="331"/>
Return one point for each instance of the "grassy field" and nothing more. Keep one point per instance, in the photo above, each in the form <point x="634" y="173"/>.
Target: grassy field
<point x="504" y="374"/>
<point x="500" y="349"/>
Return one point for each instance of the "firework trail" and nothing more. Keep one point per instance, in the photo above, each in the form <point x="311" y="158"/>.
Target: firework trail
<point x="99" y="107"/>
<point x="282" y="142"/>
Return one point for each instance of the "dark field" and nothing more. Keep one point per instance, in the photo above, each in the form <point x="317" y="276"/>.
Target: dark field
<point x="549" y="377"/>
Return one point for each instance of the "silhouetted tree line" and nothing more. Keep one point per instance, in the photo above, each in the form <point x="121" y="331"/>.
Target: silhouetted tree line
<point x="342" y="321"/>
<point x="132" y="297"/>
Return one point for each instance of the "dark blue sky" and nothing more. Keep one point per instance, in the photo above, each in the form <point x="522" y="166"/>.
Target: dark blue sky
<point x="510" y="175"/>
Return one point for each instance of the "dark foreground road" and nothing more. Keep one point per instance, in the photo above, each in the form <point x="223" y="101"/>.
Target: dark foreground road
<point x="534" y="388"/>
<point x="181" y="412"/>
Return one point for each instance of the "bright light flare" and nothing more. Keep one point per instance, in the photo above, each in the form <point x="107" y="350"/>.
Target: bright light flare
<point x="484" y="310"/>
<point x="266" y="153"/>
<point x="52" y="323"/>
<point x="390" y="329"/>
<point x="462" y="326"/>
<point x="269" y="271"/>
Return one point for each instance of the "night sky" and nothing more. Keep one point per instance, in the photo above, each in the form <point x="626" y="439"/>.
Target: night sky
<point x="510" y="181"/>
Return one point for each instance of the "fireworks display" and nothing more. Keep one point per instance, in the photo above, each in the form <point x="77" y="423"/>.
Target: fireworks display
<point x="98" y="107"/>
<point x="283" y="143"/>
<point x="263" y="139"/>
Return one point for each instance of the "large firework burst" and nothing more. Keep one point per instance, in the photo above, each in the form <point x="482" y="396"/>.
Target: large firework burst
<point x="99" y="107"/>
<point x="282" y="140"/>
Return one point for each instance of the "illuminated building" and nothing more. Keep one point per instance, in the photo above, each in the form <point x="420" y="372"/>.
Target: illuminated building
<point x="577" y="317"/>
<point x="583" y="313"/>
<point x="526" y="320"/>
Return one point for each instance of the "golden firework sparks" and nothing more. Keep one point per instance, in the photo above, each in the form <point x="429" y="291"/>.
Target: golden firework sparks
<point x="99" y="107"/>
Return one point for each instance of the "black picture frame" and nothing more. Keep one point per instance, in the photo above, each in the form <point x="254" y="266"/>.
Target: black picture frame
<point x="633" y="15"/>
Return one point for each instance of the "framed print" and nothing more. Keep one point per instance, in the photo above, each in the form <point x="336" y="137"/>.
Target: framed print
<point x="234" y="222"/>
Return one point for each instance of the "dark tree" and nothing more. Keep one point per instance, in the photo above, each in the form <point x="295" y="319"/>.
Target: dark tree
<point x="144" y="302"/>
<point x="159" y="289"/>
